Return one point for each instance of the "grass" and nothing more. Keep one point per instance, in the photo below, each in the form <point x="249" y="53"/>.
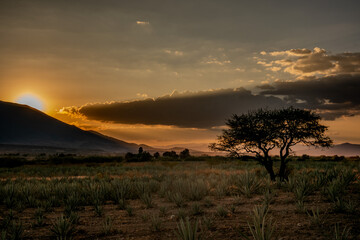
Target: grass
<point x="315" y="216"/>
<point x="249" y="184"/>
<point x="107" y="226"/>
<point x="155" y="223"/>
<point x="343" y="234"/>
<point x="187" y="230"/>
<point x="220" y="196"/>
<point x="39" y="217"/>
<point x="196" y="210"/>
<point x="262" y="226"/>
<point x="15" y="230"/>
<point x="221" y="211"/>
<point x="63" y="229"/>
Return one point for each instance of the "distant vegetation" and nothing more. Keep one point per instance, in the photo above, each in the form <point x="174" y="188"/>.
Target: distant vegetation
<point x="17" y="160"/>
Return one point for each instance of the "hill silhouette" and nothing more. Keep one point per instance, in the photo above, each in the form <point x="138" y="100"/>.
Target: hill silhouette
<point x="344" y="149"/>
<point x="21" y="125"/>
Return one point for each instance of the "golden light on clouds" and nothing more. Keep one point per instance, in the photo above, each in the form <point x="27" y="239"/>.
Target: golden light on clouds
<point x="142" y="23"/>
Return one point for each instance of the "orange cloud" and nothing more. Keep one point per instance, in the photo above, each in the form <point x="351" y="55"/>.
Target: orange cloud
<point x="305" y="63"/>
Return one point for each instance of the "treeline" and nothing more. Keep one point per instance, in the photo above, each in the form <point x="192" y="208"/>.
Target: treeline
<point x="57" y="159"/>
<point x="17" y="160"/>
<point x="143" y="156"/>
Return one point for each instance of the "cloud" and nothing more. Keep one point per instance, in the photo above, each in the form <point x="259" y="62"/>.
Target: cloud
<point x="216" y="61"/>
<point x="291" y="52"/>
<point x="175" y="52"/>
<point x="143" y="23"/>
<point x="317" y="62"/>
<point x="331" y="96"/>
<point x="203" y="109"/>
<point x="142" y="95"/>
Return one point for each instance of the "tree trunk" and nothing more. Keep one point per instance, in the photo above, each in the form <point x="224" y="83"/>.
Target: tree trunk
<point x="282" y="170"/>
<point x="270" y="170"/>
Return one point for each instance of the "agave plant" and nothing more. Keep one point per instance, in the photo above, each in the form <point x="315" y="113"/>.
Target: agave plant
<point x="63" y="228"/>
<point x="262" y="227"/>
<point x="188" y="230"/>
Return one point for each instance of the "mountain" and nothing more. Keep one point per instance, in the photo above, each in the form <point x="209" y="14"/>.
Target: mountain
<point x="21" y="125"/>
<point x="344" y="149"/>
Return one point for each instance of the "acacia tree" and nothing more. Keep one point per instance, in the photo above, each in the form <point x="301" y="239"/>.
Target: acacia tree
<point x="258" y="132"/>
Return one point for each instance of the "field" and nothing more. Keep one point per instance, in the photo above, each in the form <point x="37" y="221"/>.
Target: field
<point x="212" y="198"/>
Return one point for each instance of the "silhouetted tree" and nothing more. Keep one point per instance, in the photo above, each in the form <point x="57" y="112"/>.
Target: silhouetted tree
<point x="144" y="156"/>
<point x="171" y="154"/>
<point x="130" y="157"/>
<point x="304" y="157"/>
<point x="141" y="150"/>
<point x="258" y="132"/>
<point x="184" y="154"/>
<point x="156" y="155"/>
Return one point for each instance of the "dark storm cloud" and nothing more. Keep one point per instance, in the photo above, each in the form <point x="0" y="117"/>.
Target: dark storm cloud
<point x="204" y="109"/>
<point x="331" y="96"/>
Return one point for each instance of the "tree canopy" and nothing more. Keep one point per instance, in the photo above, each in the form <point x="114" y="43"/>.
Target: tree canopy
<point x="261" y="131"/>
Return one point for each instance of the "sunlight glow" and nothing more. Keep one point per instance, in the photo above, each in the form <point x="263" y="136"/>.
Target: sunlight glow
<point x="30" y="100"/>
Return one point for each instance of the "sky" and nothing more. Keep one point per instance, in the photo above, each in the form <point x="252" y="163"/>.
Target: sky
<point x="171" y="72"/>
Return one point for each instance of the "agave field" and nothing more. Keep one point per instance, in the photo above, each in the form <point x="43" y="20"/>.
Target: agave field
<point x="180" y="200"/>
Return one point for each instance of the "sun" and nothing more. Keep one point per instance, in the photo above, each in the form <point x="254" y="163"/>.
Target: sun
<point x="31" y="100"/>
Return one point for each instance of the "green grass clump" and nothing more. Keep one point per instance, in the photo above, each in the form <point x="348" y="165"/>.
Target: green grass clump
<point x="249" y="184"/>
<point x="63" y="229"/>
<point x="221" y="211"/>
<point x="107" y="226"/>
<point x="262" y="227"/>
<point x="315" y="216"/>
<point x="147" y="199"/>
<point x="155" y="223"/>
<point x="188" y="230"/>
<point x="196" y="209"/>
<point x="341" y="235"/>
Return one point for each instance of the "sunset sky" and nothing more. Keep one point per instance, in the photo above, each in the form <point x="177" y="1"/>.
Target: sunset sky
<point x="171" y="72"/>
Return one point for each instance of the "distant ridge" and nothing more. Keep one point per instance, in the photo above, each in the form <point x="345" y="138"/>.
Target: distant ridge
<point x="344" y="149"/>
<point x="21" y="125"/>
